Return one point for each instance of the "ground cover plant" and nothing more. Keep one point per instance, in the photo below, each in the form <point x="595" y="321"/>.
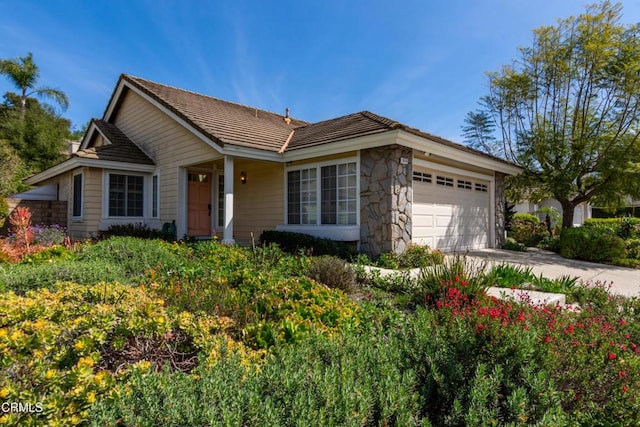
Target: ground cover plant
<point x="201" y="333"/>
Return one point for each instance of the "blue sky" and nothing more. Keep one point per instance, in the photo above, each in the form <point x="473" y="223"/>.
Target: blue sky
<point x="422" y="63"/>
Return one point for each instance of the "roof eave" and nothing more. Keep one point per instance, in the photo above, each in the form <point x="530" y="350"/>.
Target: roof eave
<point x="76" y="162"/>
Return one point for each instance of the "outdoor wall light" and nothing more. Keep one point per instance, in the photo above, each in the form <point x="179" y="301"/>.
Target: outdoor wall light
<point x="243" y="177"/>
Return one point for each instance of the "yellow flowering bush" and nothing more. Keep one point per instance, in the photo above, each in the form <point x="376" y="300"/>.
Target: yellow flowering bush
<point x="58" y="348"/>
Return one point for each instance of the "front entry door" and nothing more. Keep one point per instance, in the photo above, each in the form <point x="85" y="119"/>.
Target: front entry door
<point x="199" y="204"/>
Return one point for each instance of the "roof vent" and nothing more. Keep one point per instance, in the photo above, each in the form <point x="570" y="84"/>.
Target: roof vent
<point x="287" y="119"/>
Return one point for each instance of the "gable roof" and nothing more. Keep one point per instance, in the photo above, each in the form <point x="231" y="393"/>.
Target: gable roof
<point x="222" y="121"/>
<point x="119" y="149"/>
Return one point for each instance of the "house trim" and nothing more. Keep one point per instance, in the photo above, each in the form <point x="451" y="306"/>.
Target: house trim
<point x="76" y="162"/>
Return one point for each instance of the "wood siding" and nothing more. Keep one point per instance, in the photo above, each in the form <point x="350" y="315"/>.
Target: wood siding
<point x="258" y="204"/>
<point x="166" y="142"/>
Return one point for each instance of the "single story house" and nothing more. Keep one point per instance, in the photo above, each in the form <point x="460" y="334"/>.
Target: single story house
<point x="162" y="154"/>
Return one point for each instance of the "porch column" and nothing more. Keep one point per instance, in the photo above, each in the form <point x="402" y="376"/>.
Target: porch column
<point x="228" y="200"/>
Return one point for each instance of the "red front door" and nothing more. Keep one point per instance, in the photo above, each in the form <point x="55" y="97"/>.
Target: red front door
<point x="199" y="204"/>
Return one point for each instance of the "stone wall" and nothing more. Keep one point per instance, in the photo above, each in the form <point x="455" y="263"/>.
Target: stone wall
<point x="43" y="212"/>
<point x="385" y="199"/>
<point x="501" y="206"/>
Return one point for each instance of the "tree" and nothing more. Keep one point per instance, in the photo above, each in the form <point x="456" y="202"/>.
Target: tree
<point x="24" y="74"/>
<point x="478" y="132"/>
<point x="569" y="110"/>
<point x="39" y="138"/>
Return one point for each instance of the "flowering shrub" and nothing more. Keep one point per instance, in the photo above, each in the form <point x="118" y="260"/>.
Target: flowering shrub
<point x="66" y="349"/>
<point x="25" y="239"/>
<point x="590" y="358"/>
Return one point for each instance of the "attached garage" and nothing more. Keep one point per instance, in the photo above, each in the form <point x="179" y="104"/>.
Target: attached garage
<point x="451" y="209"/>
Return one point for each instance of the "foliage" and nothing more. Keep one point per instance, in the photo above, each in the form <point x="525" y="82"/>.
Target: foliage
<point x="512" y="245"/>
<point x="294" y="242"/>
<point x="59" y="348"/>
<point x="133" y="256"/>
<point x="24" y="74"/>
<point x="478" y="133"/>
<point x="591" y="244"/>
<point x="568" y="109"/>
<point x="354" y="380"/>
<point x="509" y="276"/>
<point x="39" y="138"/>
<point x="332" y="271"/>
<point x="414" y="256"/>
<point x="11" y="172"/>
<point x="458" y="277"/>
<point x="139" y="230"/>
<point x="625" y="227"/>
<point x="4" y="209"/>
<point x="527" y="229"/>
<point x="239" y="334"/>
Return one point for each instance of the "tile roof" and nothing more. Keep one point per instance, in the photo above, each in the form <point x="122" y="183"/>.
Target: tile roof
<point x="223" y="121"/>
<point x="120" y="149"/>
<point x="340" y="128"/>
<point x="226" y="122"/>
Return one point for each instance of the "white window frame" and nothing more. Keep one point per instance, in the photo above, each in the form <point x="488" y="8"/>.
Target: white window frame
<point x="146" y="198"/>
<point x="350" y="232"/>
<point x="78" y="218"/>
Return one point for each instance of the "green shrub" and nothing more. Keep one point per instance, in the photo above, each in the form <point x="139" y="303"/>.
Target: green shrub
<point x="28" y="276"/>
<point x="390" y="260"/>
<point x="590" y="244"/>
<point x="633" y="248"/>
<point x="139" y="230"/>
<point x="527" y="229"/>
<point x="419" y="256"/>
<point x="332" y="271"/>
<point x="355" y="380"/>
<point x="134" y="256"/>
<point x="295" y="242"/>
<point x="4" y="210"/>
<point x="550" y="243"/>
<point x="511" y="245"/>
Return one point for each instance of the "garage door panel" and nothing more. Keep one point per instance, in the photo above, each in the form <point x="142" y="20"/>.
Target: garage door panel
<point x="450" y="218"/>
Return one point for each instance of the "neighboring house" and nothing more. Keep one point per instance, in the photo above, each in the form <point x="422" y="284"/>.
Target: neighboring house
<point x="162" y="154"/>
<point x="580" y="214"/>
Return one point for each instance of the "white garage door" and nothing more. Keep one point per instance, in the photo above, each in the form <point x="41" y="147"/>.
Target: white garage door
<point x="450" y="212"/>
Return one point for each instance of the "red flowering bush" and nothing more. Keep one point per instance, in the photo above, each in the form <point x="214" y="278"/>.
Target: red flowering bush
<point x="26" y="240"/>
<point x="587" y="361"/>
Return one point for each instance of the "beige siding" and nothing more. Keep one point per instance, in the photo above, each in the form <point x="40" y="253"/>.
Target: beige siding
<point x="91" y="201"/>
<point x="258" y="204"/>
<point x="168" y="144"/>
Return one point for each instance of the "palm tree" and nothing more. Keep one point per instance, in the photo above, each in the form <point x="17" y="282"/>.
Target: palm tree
<point x="24" y="74"/>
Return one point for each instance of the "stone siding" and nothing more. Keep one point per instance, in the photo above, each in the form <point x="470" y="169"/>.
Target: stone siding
<point x="385" y="199"/>
<point x="501" y="206"/>
<point x="43" y="212"/>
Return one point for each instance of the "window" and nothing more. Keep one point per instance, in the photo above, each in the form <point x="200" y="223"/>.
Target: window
<point x="77" y="195"/>
<point x="465" y="185"/>
<point x="126" y="195"/>
<point x="421" y="177"/>
<point x="481" y="187"/>
<point x="443" y="180"/>
<point x="155" y="197"/>
<point x="336" y="196"/>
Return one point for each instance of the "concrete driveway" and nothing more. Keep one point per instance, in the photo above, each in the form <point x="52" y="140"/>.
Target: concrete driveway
<point x="625" y="281"/>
